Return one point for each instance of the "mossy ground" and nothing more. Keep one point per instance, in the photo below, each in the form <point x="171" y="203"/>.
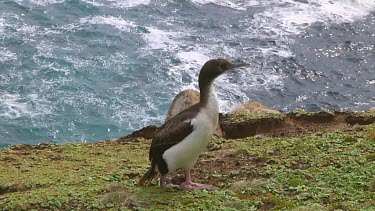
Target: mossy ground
<point x="323" y="171"/>
<point x="240" y="118"/>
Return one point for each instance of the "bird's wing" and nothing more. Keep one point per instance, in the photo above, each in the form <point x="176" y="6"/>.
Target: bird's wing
<point x="172" y="132"/>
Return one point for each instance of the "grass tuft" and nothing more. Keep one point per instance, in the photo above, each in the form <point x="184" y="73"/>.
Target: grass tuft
<point x="372" y="186"/>
<point x="371" y="135"/>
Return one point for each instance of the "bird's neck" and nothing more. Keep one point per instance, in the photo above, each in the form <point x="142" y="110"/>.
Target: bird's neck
<point x="208" y="97"/>
<point x="209" y="106"/>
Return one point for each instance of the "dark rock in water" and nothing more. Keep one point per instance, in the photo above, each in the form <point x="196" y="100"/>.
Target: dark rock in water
<point x="182" y="101"/>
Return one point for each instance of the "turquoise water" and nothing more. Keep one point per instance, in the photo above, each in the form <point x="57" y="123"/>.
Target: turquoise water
<point x="84" y="70"/>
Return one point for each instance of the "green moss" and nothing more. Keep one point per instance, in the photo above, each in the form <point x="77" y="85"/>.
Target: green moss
<point x="62" y="175"/>
<point x="239" y="118"/>
<point x="370" y="157"/>
<point x="371" y="135"/>
<point x="350" y="139"/>
<point x="326" y="171"/>
<point x="364" y="114"/>
<point x="295" y="182"/>
<point x="299" y="113"/>
<point x="318" y="170"/>
<point x="372" y="186"/>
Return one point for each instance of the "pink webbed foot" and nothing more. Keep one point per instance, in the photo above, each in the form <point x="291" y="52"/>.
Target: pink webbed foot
<point x="196" y="186"/>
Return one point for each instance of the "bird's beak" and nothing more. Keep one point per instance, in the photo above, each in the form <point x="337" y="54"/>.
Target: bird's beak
<point x="238" y="65"/>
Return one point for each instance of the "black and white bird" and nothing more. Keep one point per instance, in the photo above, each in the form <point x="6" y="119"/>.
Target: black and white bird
<point x="179" y="141"/>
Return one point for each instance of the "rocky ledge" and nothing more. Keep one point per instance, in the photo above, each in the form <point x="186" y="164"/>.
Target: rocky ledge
<point x="292" y="124"/>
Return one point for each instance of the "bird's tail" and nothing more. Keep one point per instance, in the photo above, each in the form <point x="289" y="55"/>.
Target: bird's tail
<point x="150" y="175"/>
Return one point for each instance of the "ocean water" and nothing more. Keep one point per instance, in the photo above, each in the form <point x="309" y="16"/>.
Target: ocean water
<point x="88" y="70"/>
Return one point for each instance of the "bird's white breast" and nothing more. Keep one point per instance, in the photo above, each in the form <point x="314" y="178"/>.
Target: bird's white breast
<point x="185" y="154"/>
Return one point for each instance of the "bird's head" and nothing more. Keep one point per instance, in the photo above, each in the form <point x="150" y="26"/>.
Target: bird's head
<point x="215" y="67"/>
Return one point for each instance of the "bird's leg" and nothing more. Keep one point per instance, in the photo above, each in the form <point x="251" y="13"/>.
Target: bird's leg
<point x="163" y="182"/>
<point x="189" y="185"/>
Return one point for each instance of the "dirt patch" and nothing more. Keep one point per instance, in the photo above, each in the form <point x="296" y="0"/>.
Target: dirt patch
<point x="219" y="167"/>
<point x="12" y="189"/>
<point x="223" y="165"/>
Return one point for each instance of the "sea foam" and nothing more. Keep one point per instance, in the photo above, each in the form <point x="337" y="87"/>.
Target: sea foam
<point x="129" y="3"/>
<point x="117" y="22"/>
<point x="41" y="2"/>
<point x="6" y="55"/>
<point x="234" y="4"/>
<point x="2" y="25"/>
<point x="294" y="16"/>
<point x="14" y="106"/>
<point x="161" y="39"/>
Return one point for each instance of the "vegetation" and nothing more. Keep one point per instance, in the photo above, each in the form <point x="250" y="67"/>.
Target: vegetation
<point x="241" y="118"/>
<point x="322" y="171"/>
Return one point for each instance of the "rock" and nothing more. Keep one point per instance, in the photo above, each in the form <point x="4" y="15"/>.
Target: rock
<point x="182" y="101"/>
<point x="45" y="145"/>
<point x="21" y="147"/>
<point x="361" y="118"/>
<point x="254" y="108"/>
<point x="235" y="126"/>
<point x="146" y="132"/>
<point x="250" y="119"/>
<point x="371" y="109"/>
<point x="313" y="117"/>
